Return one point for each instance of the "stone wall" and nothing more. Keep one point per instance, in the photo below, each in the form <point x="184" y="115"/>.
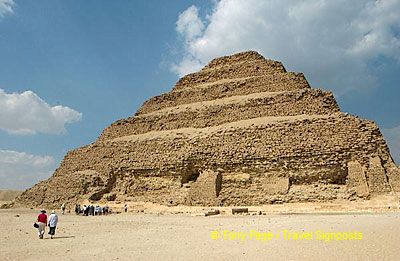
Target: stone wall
<point x="237" y="58"/>
<point x="306" y="151"/>
<point x="226" y="88"/>
<point x="234" y="71"/>
<point x="205" y="190"/>
<point x="393" y="174"/>
<point x="377" y="179"/>
<point x="206" y="114"/>
<point x="356" y="179"/>
<point x="310" y="142"/>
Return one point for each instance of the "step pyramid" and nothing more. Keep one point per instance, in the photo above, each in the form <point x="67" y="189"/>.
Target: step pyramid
<point x="241" y="131"/>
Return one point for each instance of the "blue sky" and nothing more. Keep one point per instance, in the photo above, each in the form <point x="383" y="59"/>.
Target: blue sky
<point x="70" y="68"/>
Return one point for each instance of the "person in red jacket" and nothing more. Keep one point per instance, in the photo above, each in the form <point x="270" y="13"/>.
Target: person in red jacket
<point x="42" y="222"/>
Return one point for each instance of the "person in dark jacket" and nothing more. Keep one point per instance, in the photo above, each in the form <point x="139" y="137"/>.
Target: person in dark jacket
<point x="92" y="210"/>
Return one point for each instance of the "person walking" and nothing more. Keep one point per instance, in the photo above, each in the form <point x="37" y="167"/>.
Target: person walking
<point x="53" y="221"/>
<point x="63" y="208"/>
<point x="92" y="210"/>
<point x="42" y="221"/>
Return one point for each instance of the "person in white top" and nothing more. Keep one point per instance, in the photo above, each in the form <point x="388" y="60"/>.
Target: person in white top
<point x="53" y="221"/>
<point x="63" y="208"/>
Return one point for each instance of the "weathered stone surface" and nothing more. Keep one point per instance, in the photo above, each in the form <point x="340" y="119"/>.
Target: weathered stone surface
<point x="279" y="82"/>
<point x="217" y="112"/>
<point x="377" y="179"/>
<point x="393" y="173"/>
<point x="276" y="185"/>
<point x="243" y="117"/>
<point x="356" y="179"/>
<point x="205" y="189"/>
<point x="246" y="64"/>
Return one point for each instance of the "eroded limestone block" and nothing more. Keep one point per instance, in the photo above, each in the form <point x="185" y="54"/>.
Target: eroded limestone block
<point x="393" y="173"/>
<point x="377" y="179"/>
<point x="205" y="189"/>
<point x="276" y="185"/>
<point x="237" y="178"/>
<point x="356" y="179"/>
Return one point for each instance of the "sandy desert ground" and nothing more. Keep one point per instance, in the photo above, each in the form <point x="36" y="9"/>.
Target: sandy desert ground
<point x="133" y="236"/>
<point x="8" y="195"/>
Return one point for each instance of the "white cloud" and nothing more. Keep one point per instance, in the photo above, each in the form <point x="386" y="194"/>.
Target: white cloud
<point x="189" y="24"/>
<point x="330" y="41"/>
<point x="6" y="7"/>
<point x="26" y="113"/>
<point x="20" y="170"/>
<point x="392" y="137"/>
<point x="187" y="65"/>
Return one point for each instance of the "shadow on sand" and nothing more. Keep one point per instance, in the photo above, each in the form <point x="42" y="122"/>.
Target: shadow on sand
<point x="55" y="237"/>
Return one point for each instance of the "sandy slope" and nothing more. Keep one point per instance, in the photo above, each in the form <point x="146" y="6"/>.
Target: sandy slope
<point x="184" y="237"/>
<point x="8" y="195"/>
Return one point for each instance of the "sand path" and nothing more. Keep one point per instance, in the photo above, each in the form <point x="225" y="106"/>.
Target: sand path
<point x="183" y="237"/>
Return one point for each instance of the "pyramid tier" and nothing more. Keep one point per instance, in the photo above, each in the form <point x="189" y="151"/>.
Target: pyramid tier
<point x="246" y="68"/>
<point x="249" y="56"/>
<point x="151" y="166"/>
<point x="220" y="111"/>
<point x="225" y="88"/>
